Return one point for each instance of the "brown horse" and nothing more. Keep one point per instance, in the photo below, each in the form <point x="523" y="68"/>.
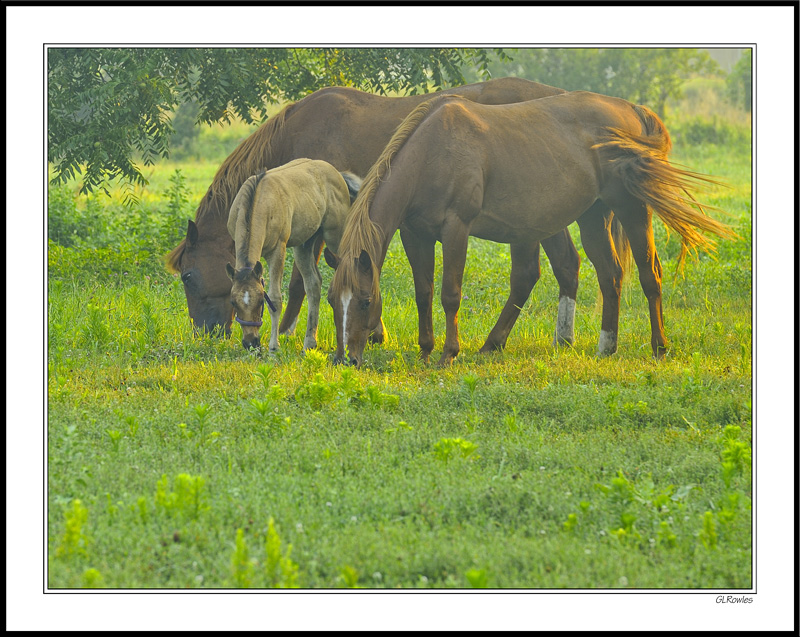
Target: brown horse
<point x="348" y="129"/>
<point x="515" y="174"/>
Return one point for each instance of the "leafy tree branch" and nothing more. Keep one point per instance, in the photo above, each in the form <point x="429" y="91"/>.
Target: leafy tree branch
<point x="109" y="105"/>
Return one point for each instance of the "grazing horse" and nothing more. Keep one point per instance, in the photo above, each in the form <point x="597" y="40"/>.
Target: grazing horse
<point x="515" y="174"/>
<point x="348" y="129"/>
<point x="289" y="206"/>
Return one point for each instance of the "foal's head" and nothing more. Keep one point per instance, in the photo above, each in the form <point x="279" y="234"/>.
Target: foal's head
<point x="247" y="298"/>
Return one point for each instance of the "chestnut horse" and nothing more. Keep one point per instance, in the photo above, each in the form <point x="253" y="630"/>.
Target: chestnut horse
<point x="348" y="129"/>
<point x="516" y="174"/>
<point x="289" y="206"/>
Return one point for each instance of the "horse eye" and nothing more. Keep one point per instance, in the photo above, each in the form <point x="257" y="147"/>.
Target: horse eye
<point x="186" y="276"/>
<point x="365" y="304"/>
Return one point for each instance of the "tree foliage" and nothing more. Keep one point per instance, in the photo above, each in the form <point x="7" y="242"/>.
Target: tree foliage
<point x="109" y="105"/>
<point x="740" y="82"/>
<point x="644" y="76"/>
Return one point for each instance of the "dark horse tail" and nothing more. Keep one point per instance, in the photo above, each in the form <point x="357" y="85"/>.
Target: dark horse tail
<point x="353" y="185"/>
<point x="640" y="160"/>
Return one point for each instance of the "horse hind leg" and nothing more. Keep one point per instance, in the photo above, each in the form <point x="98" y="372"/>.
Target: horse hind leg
<point x="595" y="227"/>
<point x="636" y="219"/>
<point x="312" y="280"/>
<point x="525" y="272"/>
<point x="566" y="264"/>
<point x="297" y="293"/>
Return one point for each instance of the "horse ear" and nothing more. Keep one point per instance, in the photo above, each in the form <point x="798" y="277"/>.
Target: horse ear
<point x="258" y="269"/>
<point x="230" y="271"/>
<point x="364" y="262"/>
<point x="191" y="233"/>
<point x="331" y="259"/>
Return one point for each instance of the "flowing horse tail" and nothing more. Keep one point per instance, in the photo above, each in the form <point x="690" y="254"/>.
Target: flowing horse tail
<point x="641" y="163"/>
<point x="621" y="245"/>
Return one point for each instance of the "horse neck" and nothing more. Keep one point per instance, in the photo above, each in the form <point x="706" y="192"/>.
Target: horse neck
<point x="210" y="217"/>
<point x="212" y="224"/>
<point x="388" y="211"/>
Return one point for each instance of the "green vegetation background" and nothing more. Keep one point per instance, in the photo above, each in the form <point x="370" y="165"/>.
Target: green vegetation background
<point x="177" y="461"/>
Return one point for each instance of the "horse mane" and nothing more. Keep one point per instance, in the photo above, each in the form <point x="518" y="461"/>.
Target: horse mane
<point x="251" y="156"/>
<point x="360" y="232"/>
<point x="243" y="205"/>
<point x="248" y="158"/>
<point x="173" y="258"/>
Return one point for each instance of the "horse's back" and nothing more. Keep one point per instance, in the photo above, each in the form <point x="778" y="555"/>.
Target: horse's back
<point x="349" y="128"/>
<point x="504" y="90"/>
<point x="299" y="195"/>
<point x="589" y="116"/>
<point x="552" y="126"/>
<point x="343" y="126"/>
<point x="310" y="178"/>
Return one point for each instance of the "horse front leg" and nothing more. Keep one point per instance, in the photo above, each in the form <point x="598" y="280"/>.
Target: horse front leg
<point x="566" y="264"/>
<point x="275" y="261"/>
<point x="525" y="273"/>
<point x="312" y="280"/>
<point x="455" y="238"/>
<point x="422" y="257"/>
<point x="378" y="335"/>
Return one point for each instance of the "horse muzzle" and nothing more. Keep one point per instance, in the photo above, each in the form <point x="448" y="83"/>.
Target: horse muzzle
<point x="346" y="360"/>
<point x="251" y="343"/>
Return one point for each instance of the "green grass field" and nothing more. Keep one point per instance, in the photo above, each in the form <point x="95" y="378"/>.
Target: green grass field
<point x="176" y="461"/>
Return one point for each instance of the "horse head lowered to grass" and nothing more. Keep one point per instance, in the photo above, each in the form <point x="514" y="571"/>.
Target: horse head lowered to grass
<point x="289" y="206"/>
<point x="516" y="174"/>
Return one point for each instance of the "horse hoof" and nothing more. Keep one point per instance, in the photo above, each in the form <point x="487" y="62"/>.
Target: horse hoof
<point x="287" y="330"/>
<point x="378" y="335"/>
<point x="445" y="361"/>
<point x="490" y="348"/>
<point x="607" y="345"/>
